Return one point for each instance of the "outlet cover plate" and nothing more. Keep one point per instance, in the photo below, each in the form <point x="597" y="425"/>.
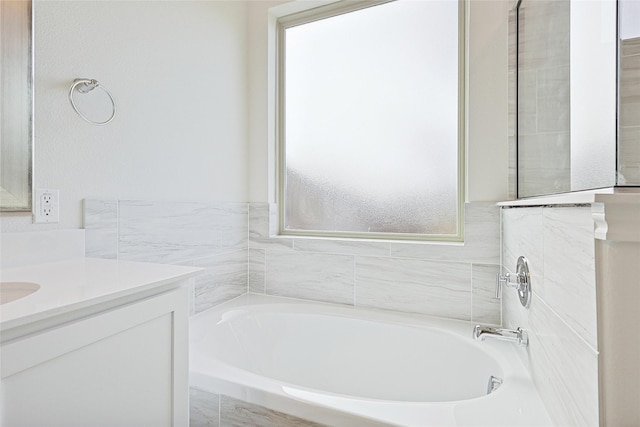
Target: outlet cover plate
<point x="47" y="206"/>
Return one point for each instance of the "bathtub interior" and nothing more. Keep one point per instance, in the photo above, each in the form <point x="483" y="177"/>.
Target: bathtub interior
<point x="360" y="358"/>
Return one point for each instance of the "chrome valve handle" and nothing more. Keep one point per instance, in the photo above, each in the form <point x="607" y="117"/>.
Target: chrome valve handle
<point x="521" y="280"/>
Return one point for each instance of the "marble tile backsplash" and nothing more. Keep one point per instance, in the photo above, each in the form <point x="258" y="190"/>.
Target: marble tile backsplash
<point x="414" y="285"/>
<point x="440" y="279"/>
<point x="204" y="408"/>
<point x="212" y="235"/>
<point x="562" y="355"/>
<point x="207" y="409"/>
<point x="237" y="413"/>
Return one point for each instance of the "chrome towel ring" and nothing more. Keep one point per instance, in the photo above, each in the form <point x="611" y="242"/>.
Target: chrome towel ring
<point x="86" y="86"/>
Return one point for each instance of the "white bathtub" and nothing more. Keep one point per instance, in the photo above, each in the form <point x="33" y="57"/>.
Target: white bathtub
<point x="346" y="366"/>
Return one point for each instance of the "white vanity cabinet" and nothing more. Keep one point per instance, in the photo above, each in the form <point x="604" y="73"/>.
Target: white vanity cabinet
<point x="120" y="362"/>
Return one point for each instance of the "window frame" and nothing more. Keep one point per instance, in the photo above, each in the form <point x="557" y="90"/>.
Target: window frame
<point x="335" y="9"/>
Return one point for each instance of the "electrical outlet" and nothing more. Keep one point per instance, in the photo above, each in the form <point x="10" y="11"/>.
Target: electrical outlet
<point x="47" y="206"/>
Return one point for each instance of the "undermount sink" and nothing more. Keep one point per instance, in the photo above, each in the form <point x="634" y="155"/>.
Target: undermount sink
<point x="11" y="291"/>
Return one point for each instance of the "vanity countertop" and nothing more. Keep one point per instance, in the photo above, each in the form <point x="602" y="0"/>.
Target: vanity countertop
<point x="84" y="285"/>
<point x="586" y="197"/>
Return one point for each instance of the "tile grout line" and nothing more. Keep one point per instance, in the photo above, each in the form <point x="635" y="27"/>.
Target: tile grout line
<point x="248" y="248"/>
<point x="564" y="322"/>
<point x="545" y="220"/>
<point x="471" y="317"/>
<point x="500" y="267"/>
<point x="355" y="276"/>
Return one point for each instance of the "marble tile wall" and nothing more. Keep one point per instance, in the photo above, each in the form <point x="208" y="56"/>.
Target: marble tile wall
<point x="209" y="409"/>
<point x="212" y="235"/>
<point x="236" y="413"/>
<point x="441" y="279"/>
<point x="204" y="408"/>
<point x="214" y="410"/>
<point x="562" y="354"/>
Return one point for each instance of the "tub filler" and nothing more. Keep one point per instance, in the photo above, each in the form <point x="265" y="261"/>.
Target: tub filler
<point x="345" y="366"/>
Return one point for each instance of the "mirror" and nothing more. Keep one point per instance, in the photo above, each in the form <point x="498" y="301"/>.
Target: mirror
<point x="629" y="93"/>
<point x="566" y="96"/>
<point x="16" y="104"/>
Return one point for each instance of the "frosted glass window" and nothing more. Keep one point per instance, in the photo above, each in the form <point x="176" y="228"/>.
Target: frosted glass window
<point x="370" y="105"/>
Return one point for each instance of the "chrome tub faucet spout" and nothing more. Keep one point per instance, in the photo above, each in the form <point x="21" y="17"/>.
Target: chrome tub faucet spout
<point x="480" y="333"/>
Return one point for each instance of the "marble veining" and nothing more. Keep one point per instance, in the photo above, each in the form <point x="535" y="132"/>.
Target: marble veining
<point x="225" y="278"/>
<point x="486" y="308"/>
<point x="347" y="247"/>
<point x="314" y="276"/>
<point x="522" y="235"/>
<point x="482" y="233"/>
<point x="562" y="355"/>
<point x="204" y="408"/>
<point x="236" y="413"/>
<point x="421" y="277"/>
<point x="235" y="243"/>
<point x="232" y="225"/>
<point x="171" y="232"/>
<point x="515" y="315"/>
<point x="213" y="235"/>
<point x="481" y="241"/>
<point x="257" y="276"/>
<point x="260" y="221"/>
<point x="416" y="286"/>
<point x="569" y="266"/>
<point x="564" y="367"/>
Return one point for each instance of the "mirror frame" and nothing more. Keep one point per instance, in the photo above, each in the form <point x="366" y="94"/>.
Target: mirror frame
<point x="22" y="201"/>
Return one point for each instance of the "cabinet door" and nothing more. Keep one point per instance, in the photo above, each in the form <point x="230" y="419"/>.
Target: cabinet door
<point x="124" y="367"/>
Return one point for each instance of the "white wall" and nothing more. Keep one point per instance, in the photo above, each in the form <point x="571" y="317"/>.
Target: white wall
<point x="177" y="70"/>
<point x="261" y="117"/>
<point x="191" y="83"/>
<point x="487" y="153"/>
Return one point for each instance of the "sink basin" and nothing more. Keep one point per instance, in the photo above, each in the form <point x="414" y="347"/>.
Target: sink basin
<point x="11" y="291"/>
